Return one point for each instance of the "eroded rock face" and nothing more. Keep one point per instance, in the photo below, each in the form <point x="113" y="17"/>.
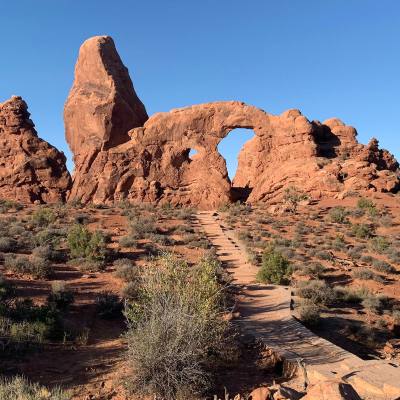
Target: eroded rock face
<point x="102" y="105"/>
<point x="30" y="168"/>
<point x="119" y="154"/>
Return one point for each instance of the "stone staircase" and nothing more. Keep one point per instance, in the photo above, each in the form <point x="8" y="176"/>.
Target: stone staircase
<point x="265" y="313"/>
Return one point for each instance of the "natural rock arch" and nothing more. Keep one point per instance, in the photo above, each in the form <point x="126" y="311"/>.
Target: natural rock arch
<point x="151" y="162"/>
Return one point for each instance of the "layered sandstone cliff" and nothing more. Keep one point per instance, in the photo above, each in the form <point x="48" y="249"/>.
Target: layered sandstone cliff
<point x="30" y="168"/>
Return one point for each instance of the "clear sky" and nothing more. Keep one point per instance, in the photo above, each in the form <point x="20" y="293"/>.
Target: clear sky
<point x="327" y="58"/>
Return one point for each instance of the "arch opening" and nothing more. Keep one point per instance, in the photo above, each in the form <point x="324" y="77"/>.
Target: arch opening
<point x="230" y="148"/>
<point x="192" y="152"/>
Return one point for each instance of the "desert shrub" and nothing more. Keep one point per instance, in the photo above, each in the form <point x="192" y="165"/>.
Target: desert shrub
<point x="141" y="227"/>
<point x="339" y="243"/>
<point x="349" y="295"/>
<point x="48" y="237"/>
<point x="252" y="256"/>
<point x="317" y="291"/>
<point x="354" y="253"/>
<point x="383" y="266"/>
<point x="40" y="268"/>
<point x="85" y="244"/>
<point x="160" y="239"/>
<point x="373" y="303"/>
<point x="43" y="216"/>
<point x="236" y="209"/>
<point x="18" y="388"/>
<point x="292" y="197"/>
<point x="316" y="270"/>
<point x="36" y="266"/>
<point x="108" y="305"/>
<point x="379" y="244"/>
<point x="185" y="213"/>
<point x="338" y="215"/>
<point x="6" y="288"/>
<point x="364" y="203"/>
<point x="196" y="241"/>
<point x="60" y="298"/>
<point x="386" y="221"/>
<point x="366" y="274"/>
<point x="324" y="255"/>
<point x="8" y="244"/>
<point x="125" y="270"/>
<point x="309" y="313"/>
<point x="130" y="291"/>
<point x="175" y="326"/>
<point x="362" y="231"/>
<point x="87" y="266"/>
<point x="128" y="241"/>
<point x="244" y="235"/>
<point x="367" y="259"/>
<point x="393" y="254"/>
<point x="6" y="205"/>
<point x="275" y="267"/>
<point x="302" y="228"/>
<point x="24" y="323"/>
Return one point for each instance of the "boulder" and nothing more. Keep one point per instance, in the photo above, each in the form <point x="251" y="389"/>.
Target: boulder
<point x="31" y="170"/>
<point x="261" y="393"/>
<point x="331" y="390"/>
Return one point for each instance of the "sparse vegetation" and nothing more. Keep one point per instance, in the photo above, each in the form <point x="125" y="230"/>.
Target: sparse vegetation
<point x="19" y="388"/>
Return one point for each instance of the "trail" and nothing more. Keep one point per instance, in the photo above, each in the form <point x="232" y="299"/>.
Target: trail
<point x="265" y="313"/>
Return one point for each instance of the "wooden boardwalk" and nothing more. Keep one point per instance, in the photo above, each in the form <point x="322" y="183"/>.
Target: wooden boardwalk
<point x="265" y="313"/>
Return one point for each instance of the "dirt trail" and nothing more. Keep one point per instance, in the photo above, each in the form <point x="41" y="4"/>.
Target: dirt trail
<point x="265" y="313"/>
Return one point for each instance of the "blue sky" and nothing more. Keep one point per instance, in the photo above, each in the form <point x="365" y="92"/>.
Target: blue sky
<point x="327" y="58"/>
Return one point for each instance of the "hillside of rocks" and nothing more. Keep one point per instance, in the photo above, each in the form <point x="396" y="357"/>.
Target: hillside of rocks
<point x="31" y="169"/>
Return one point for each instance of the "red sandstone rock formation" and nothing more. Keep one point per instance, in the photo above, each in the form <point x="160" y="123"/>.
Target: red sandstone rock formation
<point x="151" y="161"/>
<point x="102" y="105"/>
<point x="31" y="169"/>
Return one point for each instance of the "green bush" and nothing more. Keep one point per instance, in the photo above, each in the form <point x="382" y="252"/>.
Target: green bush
<point x="364" y="203"/>
<point x="43" y="217"/>
<point x="85" y="244"/>
<point x="275" y="267"/>
<point x="18" y="388"/>
<point x="338" y="215"/>
<point x="379" y="244"/>
<point x="175" y="326"/>
<point x="362" y="231"/>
